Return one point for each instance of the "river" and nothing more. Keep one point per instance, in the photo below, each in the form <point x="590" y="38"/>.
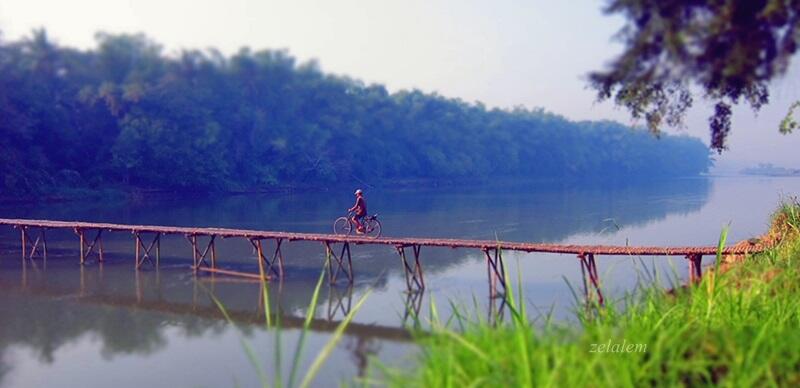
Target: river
<point x="100" y="325"/>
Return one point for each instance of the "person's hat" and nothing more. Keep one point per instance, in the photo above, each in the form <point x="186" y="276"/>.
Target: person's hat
<point x="359" y="192"/>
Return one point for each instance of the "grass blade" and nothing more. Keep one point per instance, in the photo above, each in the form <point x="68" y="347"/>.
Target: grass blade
<point x="335" y="338"/>
<point x="251" y="355"/>
<point x="298" y="352"/>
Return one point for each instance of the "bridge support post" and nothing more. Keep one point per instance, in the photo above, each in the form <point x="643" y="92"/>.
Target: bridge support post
<point x="695" y="267"/>
<point x="199" y="258"/>
<point x="277" y="255"/>
<point x="589" y="266"/>
<point x="256" y="243"/>
<point x="34" y="244"/>
<point x="341" y="265"/>
<point x="143" y="250"/>
<point x="412" y="274"/>
<point x="496" y="270"/>
<point x="24" y="242"/>
<point x="87" y="248"/>
<point x="274" y="264"/>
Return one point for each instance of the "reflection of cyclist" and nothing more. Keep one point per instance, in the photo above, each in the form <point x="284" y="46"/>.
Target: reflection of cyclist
<point x="360" y="210"/>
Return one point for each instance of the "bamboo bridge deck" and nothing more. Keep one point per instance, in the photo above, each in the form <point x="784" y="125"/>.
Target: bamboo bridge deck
<point x="271" y="266"/>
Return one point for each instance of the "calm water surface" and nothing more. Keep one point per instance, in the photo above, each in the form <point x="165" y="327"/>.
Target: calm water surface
<point x="98" y="325"/>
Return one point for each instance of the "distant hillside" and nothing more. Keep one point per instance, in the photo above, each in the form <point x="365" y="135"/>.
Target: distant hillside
<point x="127" y="115"/>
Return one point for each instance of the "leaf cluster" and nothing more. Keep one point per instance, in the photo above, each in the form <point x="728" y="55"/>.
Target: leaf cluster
<point x="730" y="49"/>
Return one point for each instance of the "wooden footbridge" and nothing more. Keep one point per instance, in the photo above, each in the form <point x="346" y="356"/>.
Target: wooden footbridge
<point x="147" y="242"/>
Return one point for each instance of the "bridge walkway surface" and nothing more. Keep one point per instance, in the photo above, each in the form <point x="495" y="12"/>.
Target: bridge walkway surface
<point x="339" y="261"/>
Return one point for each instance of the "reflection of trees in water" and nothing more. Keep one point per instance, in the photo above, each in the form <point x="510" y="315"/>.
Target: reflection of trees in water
<point x="542" y="212"/>
<point x="553" y="211"/>
<point x="558" y="209"/>
<point x="4" y="366"/>
<point x="45" y="324"/>
<point x="46" y="309"/>
<point x="546" y="214"/>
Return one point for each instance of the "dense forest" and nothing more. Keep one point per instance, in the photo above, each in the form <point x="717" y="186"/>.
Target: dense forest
<point x="128" y="115"/>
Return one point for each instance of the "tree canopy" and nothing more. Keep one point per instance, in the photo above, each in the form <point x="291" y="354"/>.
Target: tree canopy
<point x="731" y="49"/>
<point x="127" y="115"/>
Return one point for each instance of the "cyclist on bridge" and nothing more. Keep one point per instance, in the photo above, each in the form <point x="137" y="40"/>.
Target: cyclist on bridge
<point x="360" y="210"/>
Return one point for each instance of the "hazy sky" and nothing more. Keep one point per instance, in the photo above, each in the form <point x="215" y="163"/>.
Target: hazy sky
<point x="504" y="53"/>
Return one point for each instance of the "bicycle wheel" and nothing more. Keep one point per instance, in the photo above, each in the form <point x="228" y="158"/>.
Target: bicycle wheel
<point x="373" y="228"/>
<point x="342" y="226"/>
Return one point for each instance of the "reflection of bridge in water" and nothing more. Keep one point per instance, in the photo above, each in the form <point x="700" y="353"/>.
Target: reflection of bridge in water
<point x="35" y="286"/>
<point x="337" y="305"/>
<point x="147" y="240"/>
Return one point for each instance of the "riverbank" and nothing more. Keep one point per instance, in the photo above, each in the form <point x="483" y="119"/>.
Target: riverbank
<point x="735" y="327"/>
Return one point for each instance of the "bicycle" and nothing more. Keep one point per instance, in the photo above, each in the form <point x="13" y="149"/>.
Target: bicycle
<point x="345" y="226"/>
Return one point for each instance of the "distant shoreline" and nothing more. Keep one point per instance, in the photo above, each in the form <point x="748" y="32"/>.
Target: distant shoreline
<point x="773" y="175"/>
<point x="122" y="193"/>
<point x="767" y="169"/>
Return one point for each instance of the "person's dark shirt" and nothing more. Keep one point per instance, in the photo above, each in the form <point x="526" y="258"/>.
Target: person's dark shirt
<point x="361" y="205"/>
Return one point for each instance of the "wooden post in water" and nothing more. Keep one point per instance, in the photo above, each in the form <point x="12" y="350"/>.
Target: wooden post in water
<point x="213" y="253"/>
<point x="260" y="252"/>
<point x="193" y="241"/>
<point x="24" y="242"/>
<point x="158" y="250"/>
<point x="99" y="240"/>
<point x="83" y="244"/>
<point x="695" y="267"/>
<point x="44" y="243"/>
<point x="136" y="241"/>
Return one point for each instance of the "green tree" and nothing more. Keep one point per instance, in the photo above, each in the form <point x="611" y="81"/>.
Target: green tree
<point x="126" y="115"/>
<point x="730" y="49"/>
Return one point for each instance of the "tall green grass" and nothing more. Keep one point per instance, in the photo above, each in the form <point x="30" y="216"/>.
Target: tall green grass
<point x="740" y="327"/>
<point x="277" y="380"/>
